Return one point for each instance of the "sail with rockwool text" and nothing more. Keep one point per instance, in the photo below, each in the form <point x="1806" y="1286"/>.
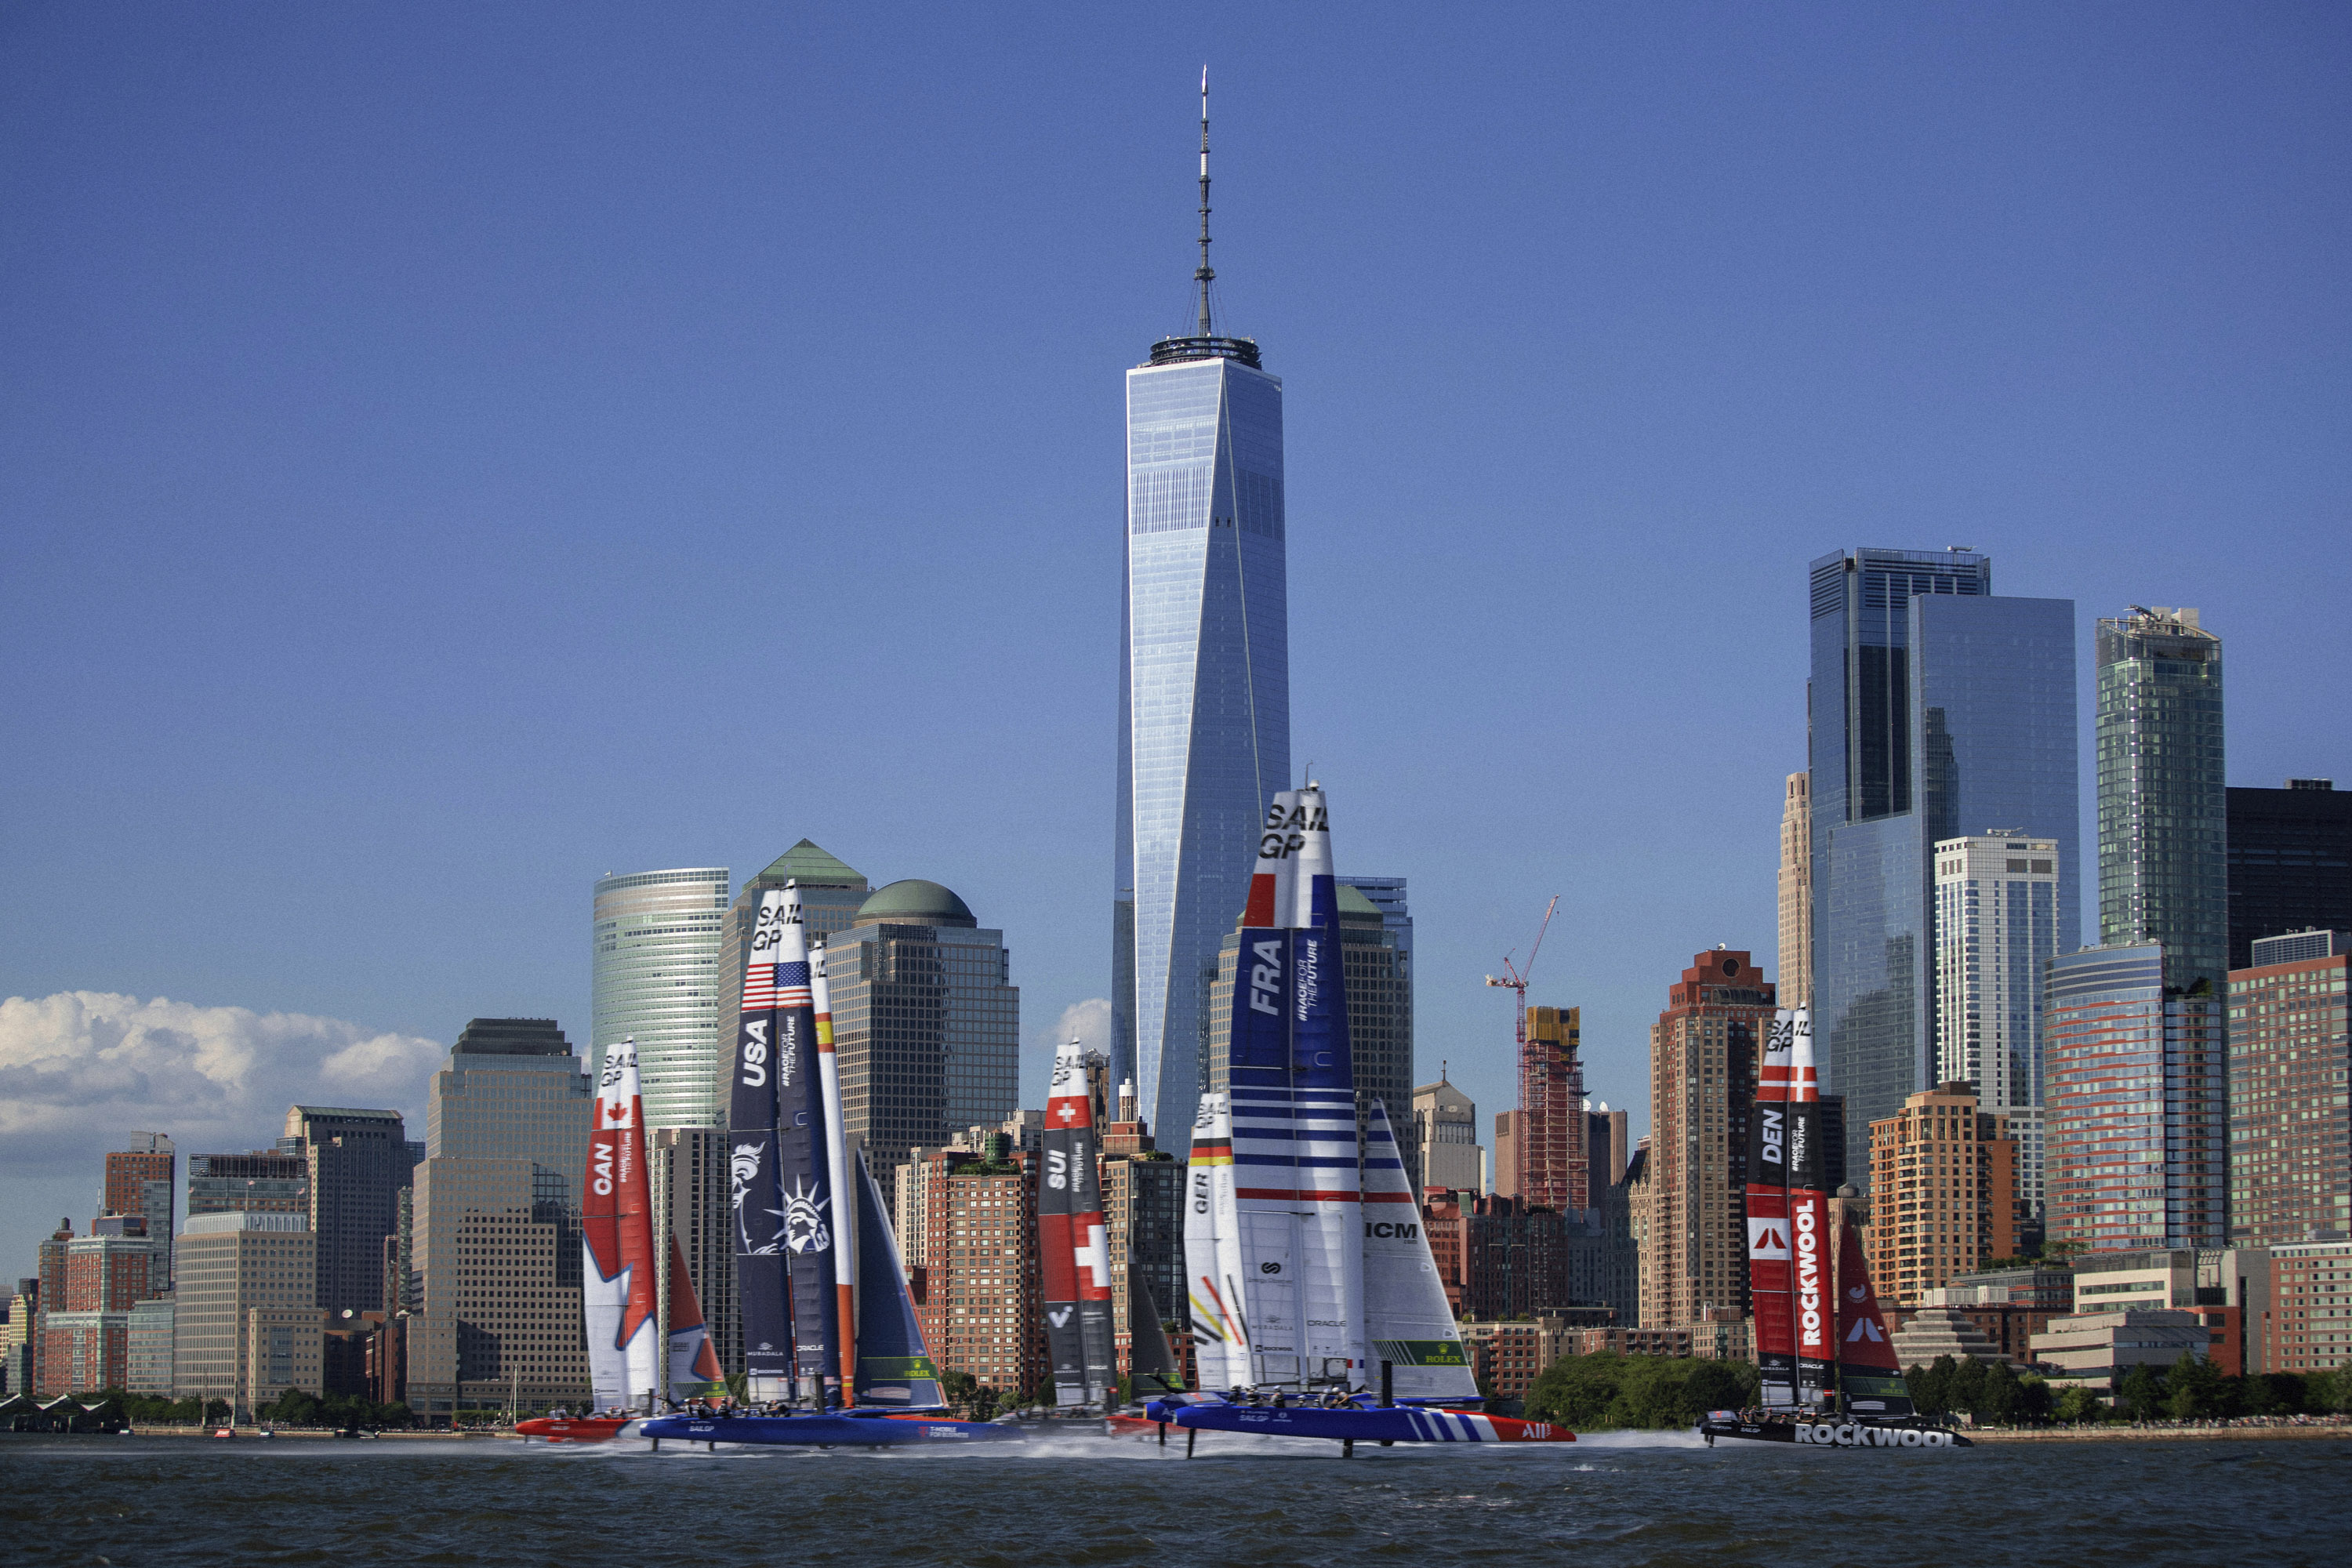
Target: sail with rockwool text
<point x="1769" y="1254"/>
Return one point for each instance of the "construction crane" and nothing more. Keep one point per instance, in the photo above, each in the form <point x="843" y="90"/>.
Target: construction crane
<point x="1533" y="1164"/>
<point x="1516" y="979"/>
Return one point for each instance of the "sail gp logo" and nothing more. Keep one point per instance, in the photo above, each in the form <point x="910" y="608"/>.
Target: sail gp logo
<point x="1265" y="977"/>
<point x="1768" y="1240"/>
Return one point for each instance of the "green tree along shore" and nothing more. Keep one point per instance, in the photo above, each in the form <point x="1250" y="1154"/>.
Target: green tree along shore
<point x="1605" y="1389"/>
<point x="1595" y="1392"/>
<point x="293" y="1408"/>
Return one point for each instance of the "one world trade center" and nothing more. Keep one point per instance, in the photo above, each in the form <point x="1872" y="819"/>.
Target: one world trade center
<point x="1204" y="687"/>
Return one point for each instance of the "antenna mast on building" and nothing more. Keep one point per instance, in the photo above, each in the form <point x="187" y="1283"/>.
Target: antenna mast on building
<point x="1204" y="272"/>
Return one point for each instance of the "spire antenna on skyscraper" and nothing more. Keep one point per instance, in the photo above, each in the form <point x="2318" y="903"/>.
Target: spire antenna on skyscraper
<point x="1204" y="272"/>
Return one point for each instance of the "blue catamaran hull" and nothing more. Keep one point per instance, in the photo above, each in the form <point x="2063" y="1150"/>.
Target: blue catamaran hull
<point x="1377" y="1424"/>
<point x="825" y="1431"/>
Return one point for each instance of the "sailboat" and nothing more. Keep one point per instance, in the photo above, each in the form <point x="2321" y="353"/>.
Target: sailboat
<point x="1316" y="1303"/>
<point x="617" y="1275"/>
<point x="1072" y="1243"/>
<point x="833" y="1352"/>
<point x="1830" y="1376"/>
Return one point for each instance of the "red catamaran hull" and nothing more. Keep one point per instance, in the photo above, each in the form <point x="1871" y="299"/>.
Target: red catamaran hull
<point x="574" y="1428"/>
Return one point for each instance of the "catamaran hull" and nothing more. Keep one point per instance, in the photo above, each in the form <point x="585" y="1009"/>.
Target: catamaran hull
<point x="827" y="1431"/>
<point x="1393" y="1423"/>
<point x="577" y="1428"/>
<point x="1831" y="1434"/>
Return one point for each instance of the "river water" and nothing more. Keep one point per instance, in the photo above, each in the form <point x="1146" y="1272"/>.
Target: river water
<point x="1612" y="1499"/>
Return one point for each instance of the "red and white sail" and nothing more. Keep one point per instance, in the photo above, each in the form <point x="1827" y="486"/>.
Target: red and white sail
<point x="1769" y="1253"/>
<point x="1809" y="1238"/>
<point x="694" y="1369"/>
<point x="1074" y="1247"/>
<point x="617" y="1242"/>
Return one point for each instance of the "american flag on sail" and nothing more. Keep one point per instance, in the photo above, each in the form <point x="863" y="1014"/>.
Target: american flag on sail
<point x="767" y="985"/>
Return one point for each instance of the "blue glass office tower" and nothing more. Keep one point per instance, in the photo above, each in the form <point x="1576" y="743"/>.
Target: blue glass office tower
<point x="1935" y="709"/>
<point x="1205" y="696"/>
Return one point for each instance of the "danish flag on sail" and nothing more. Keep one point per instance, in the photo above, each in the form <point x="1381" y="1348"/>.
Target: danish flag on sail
<point x="617" y="1238"/>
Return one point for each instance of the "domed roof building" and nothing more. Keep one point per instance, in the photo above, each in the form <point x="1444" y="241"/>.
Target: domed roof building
<point x="916" y="903"/>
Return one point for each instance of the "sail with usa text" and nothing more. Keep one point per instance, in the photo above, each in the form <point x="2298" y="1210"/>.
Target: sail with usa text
<point x="842" y="1355"/>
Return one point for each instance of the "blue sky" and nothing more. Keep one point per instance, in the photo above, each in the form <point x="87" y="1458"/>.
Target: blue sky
<point x="456" y="451"/>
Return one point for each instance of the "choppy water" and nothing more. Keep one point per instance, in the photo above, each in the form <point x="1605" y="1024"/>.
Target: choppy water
<point x="1612" y="1499"/>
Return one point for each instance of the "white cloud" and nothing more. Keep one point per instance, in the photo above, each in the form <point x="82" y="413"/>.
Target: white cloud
<point x="1088" y="1021"/>
<point x="81" y="1069"/>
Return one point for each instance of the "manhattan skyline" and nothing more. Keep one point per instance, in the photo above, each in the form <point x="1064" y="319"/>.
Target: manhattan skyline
<point x="414" y="452"/>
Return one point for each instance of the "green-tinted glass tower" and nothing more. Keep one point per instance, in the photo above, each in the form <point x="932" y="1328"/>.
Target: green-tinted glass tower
<point x="2164" y="854"/>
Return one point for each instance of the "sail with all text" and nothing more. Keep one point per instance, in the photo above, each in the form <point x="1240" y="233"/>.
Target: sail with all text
<point x="1074" y="1249"/>
<point x="754" y="1190"/>
<point x="804" y="1157"/>
<point x="618" y="1281"/>
<point x="1769" y="1252"/>
<point x="1274" y="1243"/>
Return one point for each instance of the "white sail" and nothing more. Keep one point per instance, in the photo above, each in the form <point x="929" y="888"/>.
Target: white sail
<point x="1406" y="1318"/>
<point x="1212" y="1252"/>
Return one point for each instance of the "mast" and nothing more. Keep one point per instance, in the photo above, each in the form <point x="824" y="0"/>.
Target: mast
<point x="1768" y="1254"/>
<point x="1204" y="273"/>
<point x="845" y="1234"/>
<point x="804" y="1138"/>
<point x="756" y="1195"/>
<point x="1809" y="1222"/>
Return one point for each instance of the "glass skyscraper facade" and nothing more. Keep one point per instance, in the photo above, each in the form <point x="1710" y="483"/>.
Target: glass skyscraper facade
<point x="2164" y="811"/>
<point x="656" y="978"/>
<point x="1936" y="710"/>
<point x="2137" y="1112"/>
<point x="1204" y="700"/>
